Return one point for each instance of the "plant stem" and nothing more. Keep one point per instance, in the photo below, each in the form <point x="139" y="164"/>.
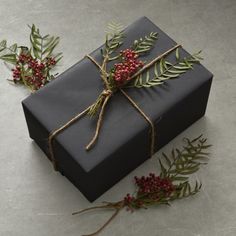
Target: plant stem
<point x="117" y="206"/>
<point x="105" y="224"/>
<point x="92" y="208"/>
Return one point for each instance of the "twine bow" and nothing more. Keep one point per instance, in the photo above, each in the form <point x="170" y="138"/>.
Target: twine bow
<point x="103" y="99"/>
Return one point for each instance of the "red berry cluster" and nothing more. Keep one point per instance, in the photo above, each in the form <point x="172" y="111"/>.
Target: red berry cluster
<point x="33" y="71"/>
<point x="129" y="66"/>
<point x="50" y="61"/>
<point x="16" y="73"/>
<point x="154" y="184"/>
<point x="151" y="187"/>
<point x="128" y="199"/>
<point x="131" y="202"/>
<point x="23" y="58"/>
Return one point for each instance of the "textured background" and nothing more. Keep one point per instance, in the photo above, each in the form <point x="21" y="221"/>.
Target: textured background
<point x="35" y="200"/>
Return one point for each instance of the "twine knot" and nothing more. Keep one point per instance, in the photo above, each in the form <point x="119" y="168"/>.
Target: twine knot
<point x="101" y="102"/>
<point x="107" y="92"/>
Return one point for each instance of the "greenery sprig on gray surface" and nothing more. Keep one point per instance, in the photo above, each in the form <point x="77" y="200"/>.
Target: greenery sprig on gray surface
<point x="8" y="53"/>
<point x="32" y="65"/>
<point x="43" y="46"/>
<point x="171" y="184"/>
<point x="180" y="164"/>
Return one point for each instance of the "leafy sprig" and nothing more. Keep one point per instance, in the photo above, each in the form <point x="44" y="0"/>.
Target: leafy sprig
<point x="180" y="164"/>
<point x="43" y="46"/>
<point x="8" y="53"/>
<point x="33" y="64"/>
<point x="165" y="70"/>
<point x="114" y="39"/>
<point x="171" y="184"/>
<point x="145" y="44"/>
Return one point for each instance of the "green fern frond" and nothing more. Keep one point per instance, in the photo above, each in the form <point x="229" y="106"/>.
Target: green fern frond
<point x="3" y="44"/>
<point x="8" y="53"/>
<point x="165" y="70"/>
<point x="42" y="46"/>
<point x="181" y="163"/>
<point x="114" y="27"/>
<point x="143" y="45"/>
<point x="114" y="39"/>
<point x="183" y="190"/>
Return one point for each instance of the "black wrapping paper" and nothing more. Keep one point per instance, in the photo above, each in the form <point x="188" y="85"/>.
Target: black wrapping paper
<point x="124" y="140"/>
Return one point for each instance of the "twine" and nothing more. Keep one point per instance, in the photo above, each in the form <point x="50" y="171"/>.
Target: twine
<point x="107" y="93"/>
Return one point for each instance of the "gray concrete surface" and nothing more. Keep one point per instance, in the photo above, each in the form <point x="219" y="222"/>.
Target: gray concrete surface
<point x="35" y="200"/>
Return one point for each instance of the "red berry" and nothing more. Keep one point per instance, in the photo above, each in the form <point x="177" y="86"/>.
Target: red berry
<point x="128" y="66"/>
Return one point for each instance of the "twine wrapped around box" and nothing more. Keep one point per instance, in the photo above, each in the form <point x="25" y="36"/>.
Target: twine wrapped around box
<point x="103" y="98"/>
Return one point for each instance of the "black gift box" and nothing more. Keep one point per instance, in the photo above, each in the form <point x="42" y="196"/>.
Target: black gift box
<point x="124" y="140"/>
